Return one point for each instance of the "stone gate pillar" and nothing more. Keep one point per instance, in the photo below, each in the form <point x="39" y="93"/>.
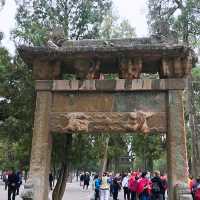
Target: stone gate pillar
<point x="176" y="148"/>
<point x="37" y="186"/>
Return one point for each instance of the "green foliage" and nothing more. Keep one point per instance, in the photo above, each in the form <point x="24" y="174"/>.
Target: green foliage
<point x="16" y="110"/>
<point x="147" y="147"/>
<point x="196" y="72"/>
<point x="113" y="27"/>
<point x="78" y="19"/>
<point x="182" y="15"/>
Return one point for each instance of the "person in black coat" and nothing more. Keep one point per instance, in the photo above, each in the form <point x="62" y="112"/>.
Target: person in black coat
<point x="19" y="181"/>
<point x="12" y="185"/>
<point x="86" y="180"/>
<point x="116" y="187"/>
<point x="157" y="187"/>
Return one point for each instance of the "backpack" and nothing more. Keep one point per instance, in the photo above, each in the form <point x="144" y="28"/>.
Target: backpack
<point x="155" y="187"/>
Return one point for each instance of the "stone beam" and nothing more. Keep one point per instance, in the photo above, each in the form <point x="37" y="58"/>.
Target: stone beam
<point x="112" y="122"/>
<point x="112" y="85"/>
<point x="109" y="102"/>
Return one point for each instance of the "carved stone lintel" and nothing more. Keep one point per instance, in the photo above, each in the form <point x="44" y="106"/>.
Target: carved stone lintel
<point x="130" y="68"/>
<point x="98" y="122"/>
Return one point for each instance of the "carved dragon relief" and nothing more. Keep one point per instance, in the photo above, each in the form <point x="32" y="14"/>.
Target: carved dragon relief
<point x="79" y="122"/>
<point x="138" y="121"/>
<point x="76" y="122"/>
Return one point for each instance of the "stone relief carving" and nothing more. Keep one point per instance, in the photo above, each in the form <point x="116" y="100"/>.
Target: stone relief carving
<point x="87" y="69"/>
<point x="138" y="121"/>
<point x="130" y="68"/>
<point x="80" y="122"/>
<point x="76" y="122"/>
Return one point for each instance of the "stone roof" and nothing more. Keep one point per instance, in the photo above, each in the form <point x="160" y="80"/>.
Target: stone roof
<point x="145" y="47"/>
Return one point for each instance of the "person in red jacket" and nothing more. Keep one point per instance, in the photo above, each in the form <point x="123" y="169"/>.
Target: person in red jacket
<point x="133" y="182"/>
<point x="144" y="187"/>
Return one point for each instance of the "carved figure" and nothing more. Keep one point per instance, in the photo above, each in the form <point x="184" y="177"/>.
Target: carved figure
<point x="130" y="68"/>
<point x="56" y="38"/>
<point x="94" y="71"/>
<point x="76" y="122"/>
<point x="87" y="69"/>
<point x="138" y="121"/>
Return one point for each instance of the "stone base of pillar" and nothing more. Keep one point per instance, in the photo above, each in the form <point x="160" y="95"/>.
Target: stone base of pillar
<point x="27" y="193"/>
<point x="182" y="192"/>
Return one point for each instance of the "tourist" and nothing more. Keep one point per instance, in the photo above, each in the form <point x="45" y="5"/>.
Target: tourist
<point x="143" y="188"/>
<point x="104" y="187"/>
<point x="81" y="179"/>
<point x="86" y="181"/>
<point x="116" y="188"/>
<point x="196" y="189"/>
<point x="19" y="181"/>
<point x="164" y="183"/>
<point x="5" y="179"/>
<point x="133" y="182"/>
<point x="157" y="187"/>
<point x="125" y="187"/>
<point x="191" y="183"/>
<point x="97" y="183"/>
<point x="12" y="185"/>
<point x="111" y="178"/>
<point x="51" y="181"/>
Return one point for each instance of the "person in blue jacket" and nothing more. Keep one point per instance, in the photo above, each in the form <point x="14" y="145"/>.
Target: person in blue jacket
<point x="97" y="183"/>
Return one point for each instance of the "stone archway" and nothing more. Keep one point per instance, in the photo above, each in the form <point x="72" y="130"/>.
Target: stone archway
<point x="128" y="104"/>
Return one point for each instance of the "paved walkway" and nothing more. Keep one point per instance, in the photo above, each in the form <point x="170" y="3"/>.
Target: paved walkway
<point x="73" y="192"/>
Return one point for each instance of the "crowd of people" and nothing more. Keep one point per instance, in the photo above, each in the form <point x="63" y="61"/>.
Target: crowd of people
<point x="135" y="186"/>
<point x="13" y="181"/>
<point x="194" y="185"/>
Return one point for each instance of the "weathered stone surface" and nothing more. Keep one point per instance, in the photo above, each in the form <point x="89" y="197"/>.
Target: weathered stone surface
<point x="178" y="67"/>
<point x="130" y="68"/>
<point x="98" y="122"/>
<point x="41" y="149"/>
<point x="176" y="143"/>
<point x="112" y="85"/>
<point x="46" y="70"/>
<point x="87" y="58"/>
<point x="109" y="102"/>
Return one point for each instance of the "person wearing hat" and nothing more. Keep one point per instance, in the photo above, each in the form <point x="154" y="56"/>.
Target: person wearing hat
<point x="104" y="187"/>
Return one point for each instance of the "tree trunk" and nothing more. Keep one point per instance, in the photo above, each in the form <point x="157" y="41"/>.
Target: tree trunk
<point x="59" y="189"/>
<point x="194" y="118"/>
<point x="105" y="157"/>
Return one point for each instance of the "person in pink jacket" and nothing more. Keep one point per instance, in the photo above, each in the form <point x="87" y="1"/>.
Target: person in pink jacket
<point x="144" y="187"/>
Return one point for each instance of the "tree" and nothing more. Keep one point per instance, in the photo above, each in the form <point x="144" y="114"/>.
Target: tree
<point x="114" y="27"/>
<point x="183" y="17"/>
<point x="16" y="106"/>
<point x="77" y="19"/>
<point x="194" y="117"/>
<point x="148" y="148"/>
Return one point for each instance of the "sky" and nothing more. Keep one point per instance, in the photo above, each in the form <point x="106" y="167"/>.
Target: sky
<point x="133" y="10"/>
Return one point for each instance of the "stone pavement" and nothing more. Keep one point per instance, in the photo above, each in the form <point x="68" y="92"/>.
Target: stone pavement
<point x="73" y="192"/>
